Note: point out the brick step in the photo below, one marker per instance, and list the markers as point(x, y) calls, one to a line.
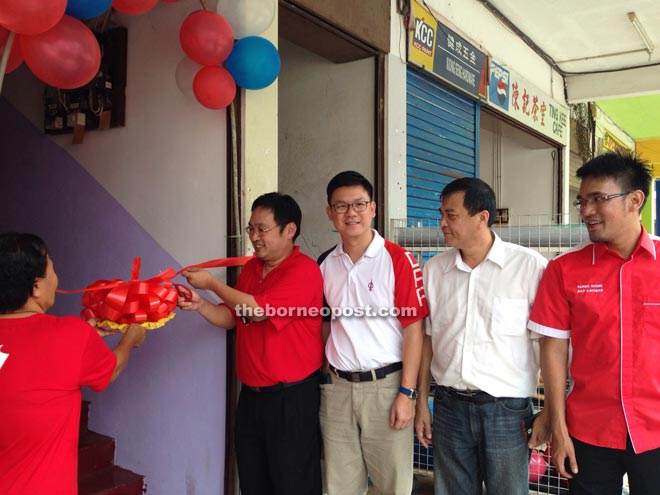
point(95, 451)
point(111, 480)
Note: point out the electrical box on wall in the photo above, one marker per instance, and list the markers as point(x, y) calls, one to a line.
point(101, 104)
point(502, 216)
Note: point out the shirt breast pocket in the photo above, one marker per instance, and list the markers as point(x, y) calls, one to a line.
point(510, 316)
point(651, 315)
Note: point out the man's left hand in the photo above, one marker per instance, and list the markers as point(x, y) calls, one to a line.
point(402, 412)
point(104, 330)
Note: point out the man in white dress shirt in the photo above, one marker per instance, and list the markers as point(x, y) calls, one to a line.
point(478, 348)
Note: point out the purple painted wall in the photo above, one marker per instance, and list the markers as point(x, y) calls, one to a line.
point(167, 410)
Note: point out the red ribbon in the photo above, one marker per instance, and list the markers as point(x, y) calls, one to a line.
point(139, 301)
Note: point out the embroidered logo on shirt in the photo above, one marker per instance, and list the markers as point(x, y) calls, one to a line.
point(371, 285)
point(589, 288)
point(3, 357)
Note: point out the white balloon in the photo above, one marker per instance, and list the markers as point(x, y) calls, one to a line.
point(247, 17)
point(185, 73)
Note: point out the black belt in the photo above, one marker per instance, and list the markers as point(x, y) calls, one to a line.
point(283, 385)
point(367, 376)
point(475, 396)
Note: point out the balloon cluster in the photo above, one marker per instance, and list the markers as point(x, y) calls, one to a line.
point(215, 63)
point(57, 47)
point(64, 53)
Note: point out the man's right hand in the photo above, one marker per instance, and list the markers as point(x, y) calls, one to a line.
point(190, 303)
point(562, 451)
point(423, 423)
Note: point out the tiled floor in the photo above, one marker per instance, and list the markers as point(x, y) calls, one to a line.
point(423, 485)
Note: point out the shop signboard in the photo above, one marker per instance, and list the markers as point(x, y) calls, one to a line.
point(441, 51)
point(510, 93)
point(611, 143)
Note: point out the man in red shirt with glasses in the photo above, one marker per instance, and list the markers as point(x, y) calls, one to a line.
point(603, 299)
point(276, 308)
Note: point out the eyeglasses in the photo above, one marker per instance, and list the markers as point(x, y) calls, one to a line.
point(250, 230)
point(596, 201)
point(358, 206)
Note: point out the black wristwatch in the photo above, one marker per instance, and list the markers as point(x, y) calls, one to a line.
point(411, 393)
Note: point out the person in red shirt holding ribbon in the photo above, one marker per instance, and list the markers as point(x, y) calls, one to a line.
point(276, 308)
point(603, 300)
point(44, 361)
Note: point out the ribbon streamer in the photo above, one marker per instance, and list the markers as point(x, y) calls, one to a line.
point(148, 302)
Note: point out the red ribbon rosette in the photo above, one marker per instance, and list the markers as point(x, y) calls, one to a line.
point(117, 303)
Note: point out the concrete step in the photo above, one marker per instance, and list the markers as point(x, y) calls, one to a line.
point(95, 451)
point(111, 480)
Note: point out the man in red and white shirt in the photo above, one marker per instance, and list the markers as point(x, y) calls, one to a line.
point(374, 340)
point(603, 298)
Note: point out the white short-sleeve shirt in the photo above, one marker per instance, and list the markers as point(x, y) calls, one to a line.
point(478, 320)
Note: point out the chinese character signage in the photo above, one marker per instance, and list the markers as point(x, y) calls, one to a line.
point(510, 93)
point(441, 51)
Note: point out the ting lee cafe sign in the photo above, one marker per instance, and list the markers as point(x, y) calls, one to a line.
point(511, 94)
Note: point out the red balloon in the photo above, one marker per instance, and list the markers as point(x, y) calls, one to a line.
point(68, 56)
point(133, 7)
point(537, 466)
point(15, 56)
point(206, 37)
point(169, 1)
point(31, 16)
point(214, 87)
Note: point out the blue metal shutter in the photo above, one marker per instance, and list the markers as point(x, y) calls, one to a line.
point(442, 144)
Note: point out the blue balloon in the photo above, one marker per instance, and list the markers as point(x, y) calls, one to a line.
point(87, 9)
point(254, 62)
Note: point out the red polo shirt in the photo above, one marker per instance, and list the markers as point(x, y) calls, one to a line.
point(44, 360)
point(610, 309)
point(286, 347)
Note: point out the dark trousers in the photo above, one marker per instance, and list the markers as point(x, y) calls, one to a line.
point(278, 446)
point(601, 470)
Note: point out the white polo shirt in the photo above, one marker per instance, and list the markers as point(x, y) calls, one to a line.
point(478, 320)
point(376, 298)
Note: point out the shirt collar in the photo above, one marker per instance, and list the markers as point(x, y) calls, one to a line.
point(259, 264)
point(643, 243)
point(496, 254)
point(373, 248)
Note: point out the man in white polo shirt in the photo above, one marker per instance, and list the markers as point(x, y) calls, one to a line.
point(374, 342)
point(482, 356)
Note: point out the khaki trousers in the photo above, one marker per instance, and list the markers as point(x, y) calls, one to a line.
point(358, 440)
